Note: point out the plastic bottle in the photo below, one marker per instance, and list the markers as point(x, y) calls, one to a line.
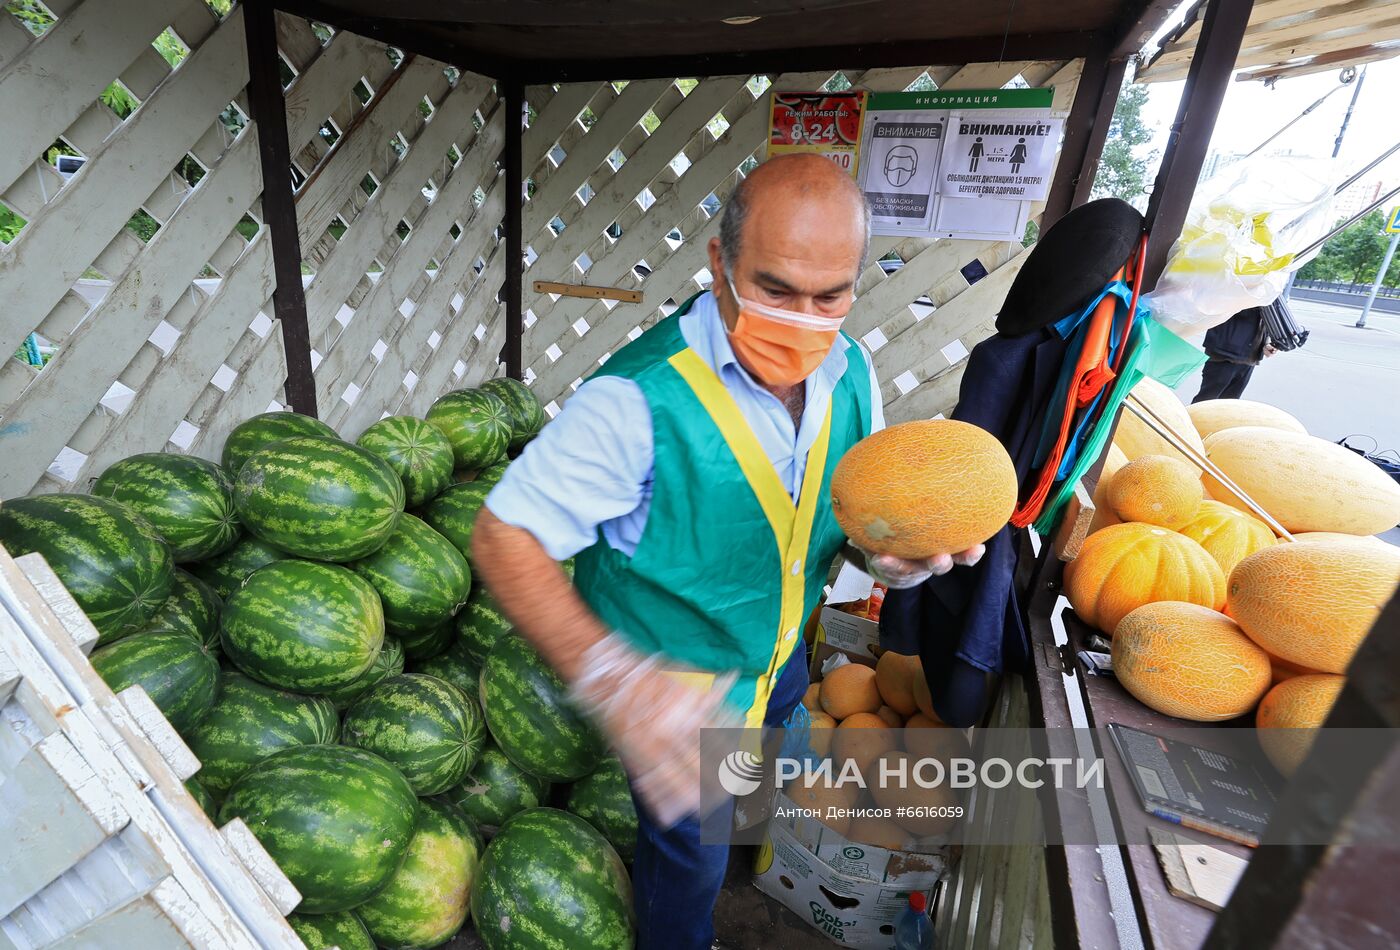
point(913, 930)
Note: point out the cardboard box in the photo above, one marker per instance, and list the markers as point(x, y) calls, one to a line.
point(858, 637)
point(849, 909)
point(857, 859)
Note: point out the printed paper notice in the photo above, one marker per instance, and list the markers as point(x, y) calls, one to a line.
point(900, 169)
point(989, 155)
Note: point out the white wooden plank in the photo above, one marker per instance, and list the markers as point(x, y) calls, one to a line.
point(55, 595)
point(480, 307)
point(48, 86)
point(151, 722)
point(554, 117)
point(254, 857)
point(259, 380)
point(167, 917)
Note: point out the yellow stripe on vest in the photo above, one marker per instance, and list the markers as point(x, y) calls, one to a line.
point(791, 525)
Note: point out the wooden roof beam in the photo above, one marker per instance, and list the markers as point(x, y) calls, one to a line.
point(1296, 26)
point(1281, 55)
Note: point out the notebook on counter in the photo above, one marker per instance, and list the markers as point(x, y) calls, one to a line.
point(1196, 788)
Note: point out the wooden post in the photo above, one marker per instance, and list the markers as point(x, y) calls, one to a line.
point(514, 95)
point(1086, 129)
point(1212, 65)
point(278, 202)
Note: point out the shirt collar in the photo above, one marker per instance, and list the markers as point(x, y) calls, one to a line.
point(712, 343)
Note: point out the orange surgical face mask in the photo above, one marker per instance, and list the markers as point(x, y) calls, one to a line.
point(780, 347)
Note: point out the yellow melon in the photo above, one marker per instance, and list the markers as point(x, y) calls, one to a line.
point(1306, 483)
point(1284, 670)
point(894, 675)
point(1228, 534)
point(1189, 661)
point(878, 832)
point(1103, 512)
point(908, 795)
point(1214, 415)
point(1156, 489)
point(1338, 536)
point(1134, 437)
point(1313, 603)
point(892, 719)
point(862, 738)
point(822, 728)
point(923, 488)
point(1127, 565)
point(1290, 712)
point(812, 698)
point(848, 690)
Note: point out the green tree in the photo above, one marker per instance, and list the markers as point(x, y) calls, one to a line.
point(1354, 255)
point(1123, 168)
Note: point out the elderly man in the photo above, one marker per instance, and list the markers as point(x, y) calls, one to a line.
point(690, 478)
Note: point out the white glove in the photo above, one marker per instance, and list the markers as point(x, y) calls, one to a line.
point(653, 721)
point(899, 573)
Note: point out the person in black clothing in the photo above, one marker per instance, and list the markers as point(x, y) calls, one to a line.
point(1234, 348)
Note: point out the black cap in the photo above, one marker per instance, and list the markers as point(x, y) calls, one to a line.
point(1070, 264)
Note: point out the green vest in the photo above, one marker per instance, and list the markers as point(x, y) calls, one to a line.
point(728, 568)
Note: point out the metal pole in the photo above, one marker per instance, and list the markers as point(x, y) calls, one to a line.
point(1380, 278)
point(1346, 119)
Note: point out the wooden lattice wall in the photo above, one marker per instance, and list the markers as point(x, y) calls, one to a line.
point(150, 272)
point(607, 193)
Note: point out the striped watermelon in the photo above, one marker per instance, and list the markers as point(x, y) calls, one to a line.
point(481, 623)
point(529, 717)
point(417, 450)
point(428, 728)
point(421, 578)
point(497, 788)
point(455, 665)
point(303, 626)
point(549, 881)
point(202, 798)
point(110, 558)
point(226, 572)
point(453, 513)
point(523, 407)
point(261, 431)
point(425, 903)
point(604, 800)
point(426, 644)
point(388, 662)
point(189, 501)
point(318, 498)
point(179, 675)
point(477, 424)
point(336, 820)
point(192, 609)
point(491, 475)
point(342, 931)
point(249, 722)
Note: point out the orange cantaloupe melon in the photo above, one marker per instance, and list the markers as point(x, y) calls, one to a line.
point(1228, 534)
point(1189, 661)
point(848, 690)
point(1156, 489)
point(923, 698)
point(1313, 603)
point(1127, 565)
point(927, 738)
point(922, 488)
point(1284, 670)
point(877, 832)
point(1305, 483)
point(812, 698)
point(908, 796)
point(892, 719)
point(822, 727)
point(820, 792)
point(862, 738)
point(1210, 416)
point(1290, 712)
point(1103, 512)
point(894, 676)
point(1136, 439)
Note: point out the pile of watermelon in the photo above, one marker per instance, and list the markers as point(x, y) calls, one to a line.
point(304, 615)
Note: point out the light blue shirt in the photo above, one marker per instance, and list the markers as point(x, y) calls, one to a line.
point(591, 466)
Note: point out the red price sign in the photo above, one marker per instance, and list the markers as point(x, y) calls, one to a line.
point(821, 123)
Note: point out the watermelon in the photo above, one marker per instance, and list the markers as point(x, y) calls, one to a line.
point(425, 903)
point(455, 665)
point(320, 499)
point(303, 626)
point(426, 644)
point(389, 662)
point(261, 431)
point(428, 728)
point(336, 820)
point(192, 609)
point(109, 557)
point(421, 578)
point(523, 408)
point(497, 788)
point(342, 931)
point(549, 881)
point(530, 718)
point(453, 513)
point(249, 722)
point(604, 800)
point(477, 424)
point(492, 474)
point(179, 675)
point(226, 572)
point(189, 501)
point(481, 623)
point(416, 450)
point(201, 797)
